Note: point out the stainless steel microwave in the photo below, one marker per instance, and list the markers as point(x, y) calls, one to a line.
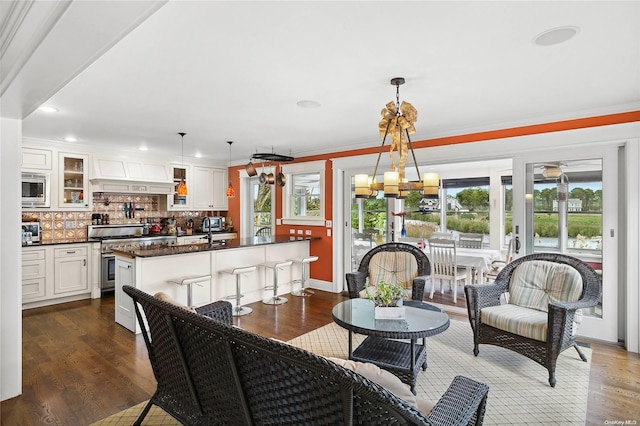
point(36, 189)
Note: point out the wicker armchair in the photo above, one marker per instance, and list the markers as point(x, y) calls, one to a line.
point(556, 334)
point(357, 280)
point(211, 373)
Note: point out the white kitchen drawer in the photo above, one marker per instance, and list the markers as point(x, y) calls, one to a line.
point(70, 252)
point(31, 254)
point(32, 269)
point(33, 289)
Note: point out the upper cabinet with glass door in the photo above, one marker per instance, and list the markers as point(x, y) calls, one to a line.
point(180, 200)
point(303, 200)
point(73, 181)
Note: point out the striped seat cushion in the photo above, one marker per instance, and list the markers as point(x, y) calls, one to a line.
point(536, 283)
point(526, 322)
point(393, 267)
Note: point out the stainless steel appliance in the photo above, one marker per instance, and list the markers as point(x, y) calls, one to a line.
point(123, 237)
point(30, 233)
point(213, 223)
point(36, 189)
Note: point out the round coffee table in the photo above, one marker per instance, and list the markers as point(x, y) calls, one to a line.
point(400, 358)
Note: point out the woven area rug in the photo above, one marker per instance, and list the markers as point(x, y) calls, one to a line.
point(519, 392)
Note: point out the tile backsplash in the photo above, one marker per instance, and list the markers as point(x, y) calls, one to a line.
point(71, 226)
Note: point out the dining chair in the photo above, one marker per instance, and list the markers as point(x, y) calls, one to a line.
point(444, 266)
point(470, 240)
point(498, 264)
point(444, 235)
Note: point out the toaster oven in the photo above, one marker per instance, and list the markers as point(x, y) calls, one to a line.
point(30, 233)
point(213, 224)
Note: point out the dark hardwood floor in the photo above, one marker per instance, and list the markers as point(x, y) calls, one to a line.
point(79, 366)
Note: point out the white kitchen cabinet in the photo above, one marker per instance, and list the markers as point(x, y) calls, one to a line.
point(36, 158)
point(33, 274)
point(96, 270)
point(220, 182)
point(55, 273)
point(71, 271)
point(125, 275)
point(175, 201)
point(209, 189)
point(73, 181)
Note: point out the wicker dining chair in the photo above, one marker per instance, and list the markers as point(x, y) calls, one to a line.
point(264, 231)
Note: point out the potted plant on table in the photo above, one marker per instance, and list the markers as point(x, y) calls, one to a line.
point(387, 301)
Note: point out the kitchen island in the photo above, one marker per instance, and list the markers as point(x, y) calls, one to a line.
point(151, 268)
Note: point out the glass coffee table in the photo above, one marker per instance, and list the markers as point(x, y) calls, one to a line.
point(400, 358)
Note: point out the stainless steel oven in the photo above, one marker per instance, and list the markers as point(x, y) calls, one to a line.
point(121, 237)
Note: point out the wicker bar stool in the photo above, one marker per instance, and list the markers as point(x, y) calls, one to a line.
point(275, 266)
point(189, 281)
point(239, 310)
point(304, 261)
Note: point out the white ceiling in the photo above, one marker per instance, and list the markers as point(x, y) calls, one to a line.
point(223, 71)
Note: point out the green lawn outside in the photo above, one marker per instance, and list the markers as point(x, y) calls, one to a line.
point(545, 224)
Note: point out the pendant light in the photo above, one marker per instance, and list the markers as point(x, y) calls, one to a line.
point(230, 191)
point(182, 186)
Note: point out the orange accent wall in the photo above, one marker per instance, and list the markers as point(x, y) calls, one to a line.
point(234, 202)
point(323, 248)
point(322, 268)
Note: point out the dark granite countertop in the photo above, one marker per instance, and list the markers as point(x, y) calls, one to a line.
point(168, 250)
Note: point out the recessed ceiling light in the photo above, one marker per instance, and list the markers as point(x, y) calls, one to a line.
point(198, 155)
point(47, 109)
point(143, 148)
point(555, 36)
point(70, 139)
point(306, 103)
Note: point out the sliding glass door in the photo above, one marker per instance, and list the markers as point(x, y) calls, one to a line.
point(368, 225)
point(571, 207)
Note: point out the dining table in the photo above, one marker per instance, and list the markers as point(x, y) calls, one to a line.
point(476, 261)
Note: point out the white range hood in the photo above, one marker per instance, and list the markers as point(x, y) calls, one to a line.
point(136, 177)
point(131, 187)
